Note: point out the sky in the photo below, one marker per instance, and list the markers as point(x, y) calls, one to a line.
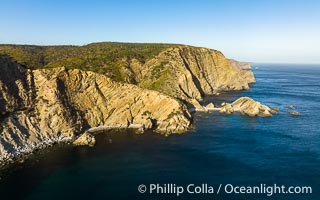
point(277, 31)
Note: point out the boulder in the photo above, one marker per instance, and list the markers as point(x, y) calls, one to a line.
point(85, 139)
point(227, 109)
point(210, 105)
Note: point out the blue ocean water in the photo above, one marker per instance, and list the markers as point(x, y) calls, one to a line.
point(219, 149)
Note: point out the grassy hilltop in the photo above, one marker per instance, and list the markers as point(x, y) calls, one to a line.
point(105, 57)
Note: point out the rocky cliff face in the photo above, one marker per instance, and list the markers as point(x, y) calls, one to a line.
point(43, 106)
point(40, 107)
point(188, 73)
point(239, 65)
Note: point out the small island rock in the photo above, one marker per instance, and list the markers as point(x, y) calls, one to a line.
point(247, 106)
point(294, 113)
point(291, 107)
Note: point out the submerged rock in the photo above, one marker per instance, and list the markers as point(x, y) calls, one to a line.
point(247, 106)
point(85, 139)
point(291, 107)
point(294, 113)
point(275, 110)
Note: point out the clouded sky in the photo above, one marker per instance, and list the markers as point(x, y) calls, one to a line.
point(259, 31)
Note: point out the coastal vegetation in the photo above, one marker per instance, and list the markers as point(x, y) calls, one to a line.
point(105, 57)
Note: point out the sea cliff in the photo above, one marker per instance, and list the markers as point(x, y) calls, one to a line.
point(49, 94)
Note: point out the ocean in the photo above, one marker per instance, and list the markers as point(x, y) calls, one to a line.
point(226, 151)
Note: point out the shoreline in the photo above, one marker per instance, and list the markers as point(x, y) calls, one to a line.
point(243, 105)
point(61, 100)
point(24, 153)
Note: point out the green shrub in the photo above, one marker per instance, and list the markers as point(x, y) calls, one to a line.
point(104, 58)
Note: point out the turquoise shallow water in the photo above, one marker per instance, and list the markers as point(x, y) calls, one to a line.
point(220, 149)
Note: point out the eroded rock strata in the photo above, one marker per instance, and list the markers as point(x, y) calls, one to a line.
point(189, 73)
point(247, 106)
point(40, 107)
point(240, 65)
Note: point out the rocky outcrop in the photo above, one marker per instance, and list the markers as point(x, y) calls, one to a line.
point(86, 139)
point(209, 106)
point(41, 107)
point(188, 73)
point(291, 107)
point(275, 110)
point(295, 113)
point(239, 65)
point(247, 106)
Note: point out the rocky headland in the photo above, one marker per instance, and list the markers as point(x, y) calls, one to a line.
point(240, 65)
point(58, 94)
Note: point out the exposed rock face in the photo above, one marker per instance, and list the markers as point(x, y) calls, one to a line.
point(239, 65)
point(41, 107)
point(227, 109)
point(247, 106)
point(86, 139)
point(189, 73)
point(208, 107)
point(44, 106)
